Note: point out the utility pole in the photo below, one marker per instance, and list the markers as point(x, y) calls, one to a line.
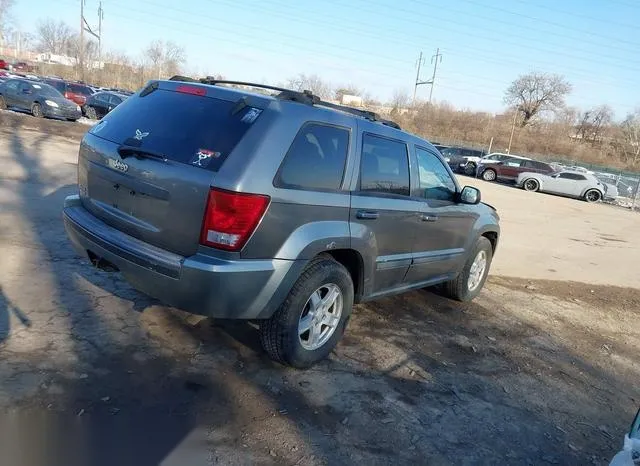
point(417, 83)
point(434, 60)
point(100, 18)
point(81, 49)
point(513, 127)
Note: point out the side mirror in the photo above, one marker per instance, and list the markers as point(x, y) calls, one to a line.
point(470, 195)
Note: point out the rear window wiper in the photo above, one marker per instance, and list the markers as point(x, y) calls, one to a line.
point(126, 151)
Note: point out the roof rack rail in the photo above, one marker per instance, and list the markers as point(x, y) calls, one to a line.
point(367, 114)
point(305, 97)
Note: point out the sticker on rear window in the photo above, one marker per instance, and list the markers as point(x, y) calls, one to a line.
point(251, 115)
point(203, 157)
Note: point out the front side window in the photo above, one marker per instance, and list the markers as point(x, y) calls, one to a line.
point(384, 166)
point(435, 181)
point(316, 159)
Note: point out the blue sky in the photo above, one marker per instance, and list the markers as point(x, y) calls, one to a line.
point(374, 44)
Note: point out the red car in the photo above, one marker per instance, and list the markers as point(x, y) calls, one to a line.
point(75, 92)
point(3, 64)
point(509, 169)
point(22, 67)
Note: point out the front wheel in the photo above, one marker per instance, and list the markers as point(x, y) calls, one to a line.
point(313, 317)
point(91, 113)
point(469, 282)
point(36, 110)
point(489, 174)
point(470, 169)
point(593, 195)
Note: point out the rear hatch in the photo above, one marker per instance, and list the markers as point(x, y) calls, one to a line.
point(147, 167)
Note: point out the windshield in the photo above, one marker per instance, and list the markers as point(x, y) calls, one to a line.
point(45, 90)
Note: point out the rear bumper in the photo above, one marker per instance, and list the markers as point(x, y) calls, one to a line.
point(201, 284)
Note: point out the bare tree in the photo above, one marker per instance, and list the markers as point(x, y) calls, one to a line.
point(537, 92)
point(5, 8)
point(593, 123)
point(312, 83)
point(631, 134)
point(55, 37)
point(400, 99)
point(165, 57)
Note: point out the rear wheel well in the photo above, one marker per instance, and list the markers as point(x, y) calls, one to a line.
point(352, 261)
point(492, 236)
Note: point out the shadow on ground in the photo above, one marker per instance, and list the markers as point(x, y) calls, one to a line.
point(418, 378)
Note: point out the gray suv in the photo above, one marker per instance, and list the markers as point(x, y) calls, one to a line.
point(281, 208)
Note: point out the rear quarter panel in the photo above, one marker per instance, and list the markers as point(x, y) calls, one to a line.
point(299, 224)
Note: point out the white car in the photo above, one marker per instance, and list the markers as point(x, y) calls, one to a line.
point(564, 183)
point(630, 452)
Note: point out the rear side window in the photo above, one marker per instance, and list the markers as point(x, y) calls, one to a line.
point(186, 128)
point(316, 159)
point(384, 167)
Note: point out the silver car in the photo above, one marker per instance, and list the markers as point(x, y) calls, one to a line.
point(564, 183)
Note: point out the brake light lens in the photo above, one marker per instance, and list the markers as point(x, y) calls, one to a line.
point(230, 218)
point(195, 90)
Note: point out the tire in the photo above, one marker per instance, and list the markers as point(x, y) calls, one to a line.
point(531, 184)
point(592, 195)
point(91, 113)
point(489, 174)
point(3, 103)
point(36, 110)
point(282, 335)
point(470, 169)
point(460, 287)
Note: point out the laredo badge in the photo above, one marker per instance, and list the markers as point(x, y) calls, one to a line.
point(203, 157)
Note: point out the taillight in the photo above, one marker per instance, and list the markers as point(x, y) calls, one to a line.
point(230, 218)
point(195, 90)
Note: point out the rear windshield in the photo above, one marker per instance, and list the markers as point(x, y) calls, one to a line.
point(79, 89)
point(186, 128)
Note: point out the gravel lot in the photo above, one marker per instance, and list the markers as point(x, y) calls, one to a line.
point(541, 369)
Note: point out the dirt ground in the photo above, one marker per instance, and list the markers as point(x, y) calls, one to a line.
point(541, 369)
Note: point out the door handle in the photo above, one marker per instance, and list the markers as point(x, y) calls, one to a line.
point(367, 214)
point(428, 217)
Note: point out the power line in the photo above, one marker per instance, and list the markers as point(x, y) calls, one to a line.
point(547, 8)
point(564, 26)
point(202, 26)
point(434, 20)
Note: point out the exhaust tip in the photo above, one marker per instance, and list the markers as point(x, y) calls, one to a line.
point(101, 263)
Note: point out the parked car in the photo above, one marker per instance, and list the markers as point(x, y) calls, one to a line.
point(76, 92)
point(40, 99)
point(610, 191)
point(630, 453)
point(461, 159)
point(280, 209)
point(509, 169)
point(565, 183)
point(98, 105)
point(22, 67)
point(4, 65)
